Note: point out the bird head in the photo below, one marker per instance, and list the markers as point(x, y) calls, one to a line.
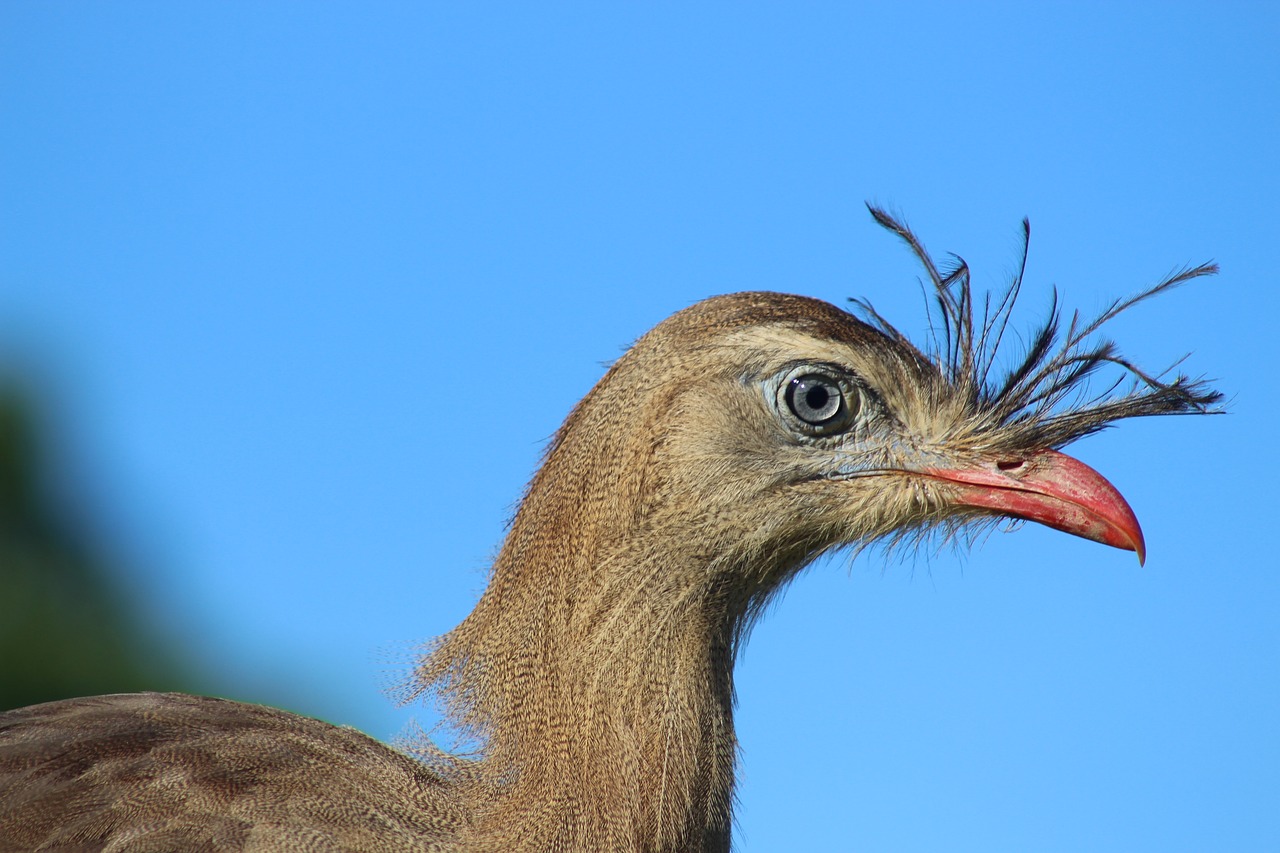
point(758, 430)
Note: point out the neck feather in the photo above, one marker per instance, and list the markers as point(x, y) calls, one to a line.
point(596, 671)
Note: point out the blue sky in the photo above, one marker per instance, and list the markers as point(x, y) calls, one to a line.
point(305, 288)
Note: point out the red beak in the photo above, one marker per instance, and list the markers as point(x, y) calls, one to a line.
point(1053, 489)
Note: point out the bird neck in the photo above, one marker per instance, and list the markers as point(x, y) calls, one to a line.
point(598, 675)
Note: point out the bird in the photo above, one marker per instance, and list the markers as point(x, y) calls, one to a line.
point(592, 685)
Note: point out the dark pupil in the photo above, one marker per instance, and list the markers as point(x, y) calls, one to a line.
point(816, 398)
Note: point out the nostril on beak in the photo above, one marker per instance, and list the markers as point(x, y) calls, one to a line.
point(1010, 464)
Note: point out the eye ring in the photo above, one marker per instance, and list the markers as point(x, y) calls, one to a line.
point(819, 403)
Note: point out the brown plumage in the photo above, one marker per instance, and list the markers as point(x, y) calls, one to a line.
point(733, 444)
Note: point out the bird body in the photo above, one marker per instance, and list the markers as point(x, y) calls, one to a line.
point(729, 447)
point(167, 772)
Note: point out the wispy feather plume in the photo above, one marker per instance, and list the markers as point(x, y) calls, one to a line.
point(1046, 398)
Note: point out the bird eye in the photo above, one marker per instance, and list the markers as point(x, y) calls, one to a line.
point(822, 403)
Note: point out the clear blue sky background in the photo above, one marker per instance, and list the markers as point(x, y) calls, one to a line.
point(309, 285)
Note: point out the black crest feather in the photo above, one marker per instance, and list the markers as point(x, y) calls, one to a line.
point(1048, 398)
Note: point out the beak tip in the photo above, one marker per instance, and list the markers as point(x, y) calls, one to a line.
point(1127, 535)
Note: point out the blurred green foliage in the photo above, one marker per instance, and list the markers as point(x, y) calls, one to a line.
point(66, 628)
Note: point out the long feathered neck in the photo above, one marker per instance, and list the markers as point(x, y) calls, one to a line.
point(596, 669)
